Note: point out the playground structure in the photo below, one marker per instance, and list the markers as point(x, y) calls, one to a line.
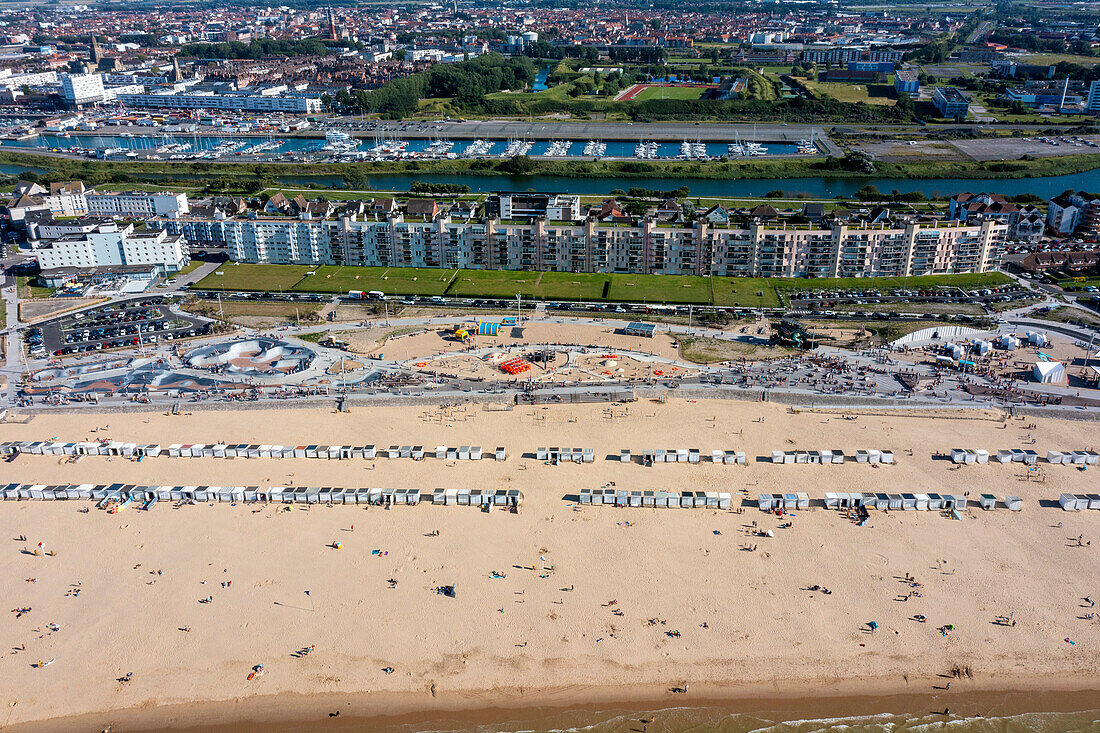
point(466, 332)
point(789, 332)
point(515, 365)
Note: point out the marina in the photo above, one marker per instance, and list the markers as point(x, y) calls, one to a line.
point(338, 146)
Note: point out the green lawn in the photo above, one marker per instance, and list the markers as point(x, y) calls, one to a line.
point(1054, 58)
point(660, 289)
point(269, 278)
point(390, 280)
point(26, 291)
point(681, 289)
point(976, 280)
point(670, 93)
point(843, 92)
point(545, 285)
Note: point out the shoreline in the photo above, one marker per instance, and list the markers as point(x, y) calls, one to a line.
point(383, 712)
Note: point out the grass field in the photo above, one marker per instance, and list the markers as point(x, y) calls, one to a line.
point(545, 285)
point(658, 92)
point(976, 280)
point(269, 278)
point(868, 93)
point(672, 289)
point(26, 291)
point(390, 280)
point(1054, 58)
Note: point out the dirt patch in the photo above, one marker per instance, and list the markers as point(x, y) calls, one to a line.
point(39, 309)
point(706, 350)
point(253, 314)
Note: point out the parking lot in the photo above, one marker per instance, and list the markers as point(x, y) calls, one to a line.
point(121, 325)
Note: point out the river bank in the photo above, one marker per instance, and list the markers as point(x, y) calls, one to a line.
point(779, 167)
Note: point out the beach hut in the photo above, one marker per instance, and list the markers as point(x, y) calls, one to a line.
point(288, 451)
point(500, 497)
point(1094, 501)
point(790, 501)
point(802, 500)
point(838, 455)
point(609, 497)
point(717, 456)
point(1030, 457)
point(832, 500)
point(777, 456)
point(658, 455)
point(687, 499)
point(801, 456)
point(500, 453)
point(922, 502)
point(725, 500)
point(894, 501)
point(909, 502)
point(542, 454)
point(464, 453)
point(438, 496)
point(174, 450)
point(958, 455)
point(1070, 503)
point(463, 497)
point(981, 456)
point(882, 501)
point(1091, 457)
point(693, 455)
point(649, 499)
point(515, 497)
point(1054, 456)
point(597, 496)
point(475, 452)
point(1004, 456)
point(862, 456)
point(886, 456)
point(405, 451)
point(874, 455)
point(394, 451)
point(1078, 458)
point(954, 501)
point(370, 452)
point(441, 452)
point(987, 502)
point(635, 498)
point(661, 499)
point(588, 455)
point(585, 496)
point(624, 455)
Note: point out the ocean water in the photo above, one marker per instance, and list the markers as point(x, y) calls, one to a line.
point(710, 720)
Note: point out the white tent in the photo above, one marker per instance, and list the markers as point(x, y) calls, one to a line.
point(1049, 372)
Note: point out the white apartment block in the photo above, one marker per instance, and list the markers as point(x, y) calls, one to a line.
point(136, 205)
point(758, 249)
point(81, 89)
point(236, 102)
point(110, 244)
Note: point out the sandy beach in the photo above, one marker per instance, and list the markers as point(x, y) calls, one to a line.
point(593, 603)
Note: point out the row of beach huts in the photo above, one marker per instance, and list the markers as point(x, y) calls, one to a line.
point(683, 455)
point(1029, 457)
point(826, 457)
point(147, 496)
point(654, 498)
point(242, 450)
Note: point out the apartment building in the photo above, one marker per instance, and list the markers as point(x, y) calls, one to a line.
point(112, 245)
point(227, 101)
point(1075, 213)
point(699, 247)
point(136, 204)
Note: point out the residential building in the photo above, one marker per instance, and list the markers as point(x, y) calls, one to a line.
point(951, 103)
point(80, 90)
point(136, 204)
point(112, 244)
point(223, 101)
point(534, 206)
point(703, 245)
point(1075, 213)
